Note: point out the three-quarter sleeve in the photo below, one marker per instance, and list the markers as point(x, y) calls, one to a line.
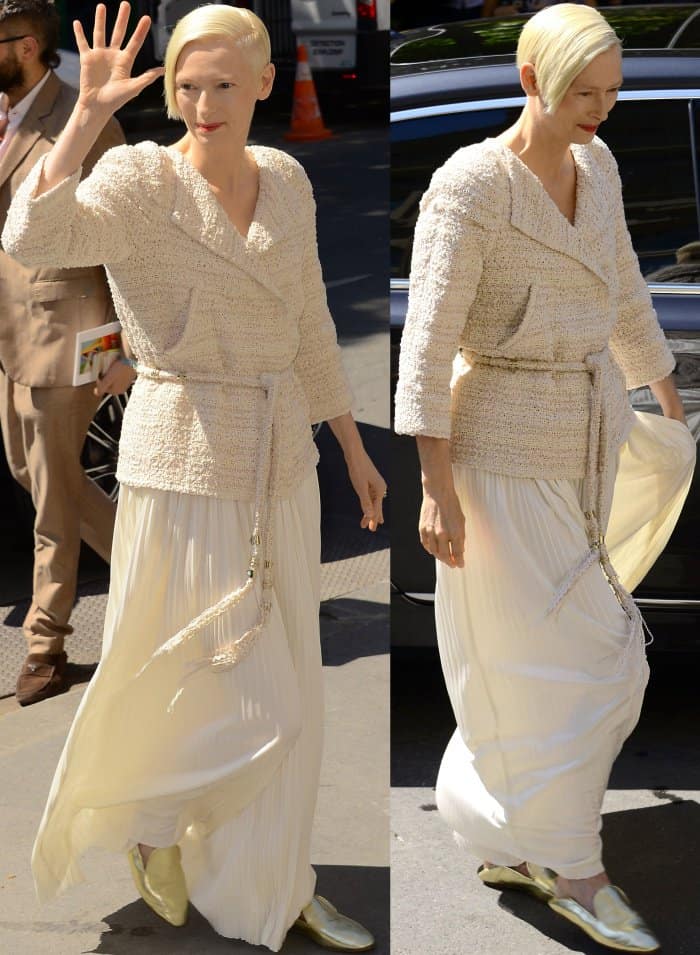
point(318, 363)
point(637, 342)
point(446, 266)
point(74, 223)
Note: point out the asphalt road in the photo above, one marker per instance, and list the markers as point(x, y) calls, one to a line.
point(651, 828)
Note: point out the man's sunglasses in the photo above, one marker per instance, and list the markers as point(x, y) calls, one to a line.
point(11, 39)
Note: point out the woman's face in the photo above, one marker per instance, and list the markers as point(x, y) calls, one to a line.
point(216, 89)
point(590, 98)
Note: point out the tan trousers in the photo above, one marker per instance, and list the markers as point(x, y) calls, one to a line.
point(44, 430)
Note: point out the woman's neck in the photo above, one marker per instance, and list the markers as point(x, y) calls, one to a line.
point(543, 152)
point(225, 168)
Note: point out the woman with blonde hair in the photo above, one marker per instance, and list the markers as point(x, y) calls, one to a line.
point(197, 746)
point(528, 319)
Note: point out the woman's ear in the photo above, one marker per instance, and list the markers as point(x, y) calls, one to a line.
point(528, 80)
point(266, 81)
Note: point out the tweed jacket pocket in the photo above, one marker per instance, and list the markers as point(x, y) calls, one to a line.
point(193, 343)
point(530, 337)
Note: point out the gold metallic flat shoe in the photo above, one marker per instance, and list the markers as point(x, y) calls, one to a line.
point(541, 883)
point(323, 923)
point(161, 883)
point(615, 924)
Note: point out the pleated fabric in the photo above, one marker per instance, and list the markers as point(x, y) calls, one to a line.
point(543, 703)
point(165, 750)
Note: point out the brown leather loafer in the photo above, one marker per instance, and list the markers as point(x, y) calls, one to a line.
point(42, 675)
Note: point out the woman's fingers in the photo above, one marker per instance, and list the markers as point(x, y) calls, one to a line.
point(98, 30)
point(442, 533)
point(442, 547)
point(370, 488)
point(145, 79)
point(137, 37)
point(379, 508)
point(80, 38)
point(377, 490)
point(120, 25)
point(118, 33)
point(456, 550)
point(371, 513)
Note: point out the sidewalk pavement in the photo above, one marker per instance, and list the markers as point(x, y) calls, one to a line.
point(350, 845)
point(651, 829)
point(440, 907)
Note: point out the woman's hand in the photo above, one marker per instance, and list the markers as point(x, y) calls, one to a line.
point(441, 522)
point(368, 483)
point(106, 82)
point(370, 488)
point(105, 85)
point(666, 394)
point(442, 527)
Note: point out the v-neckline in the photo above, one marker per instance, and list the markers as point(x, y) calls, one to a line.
point(578, 187)
point(203, 184)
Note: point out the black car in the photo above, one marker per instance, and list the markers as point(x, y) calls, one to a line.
point(456, 84)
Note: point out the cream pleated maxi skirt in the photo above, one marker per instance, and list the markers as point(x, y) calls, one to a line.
point(163, 750)
point(543, 703)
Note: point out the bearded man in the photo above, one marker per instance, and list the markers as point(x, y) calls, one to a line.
point(44, 417)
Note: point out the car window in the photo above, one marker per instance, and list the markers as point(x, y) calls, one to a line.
point(689, 36)
point(647, 28)
point(651, 140)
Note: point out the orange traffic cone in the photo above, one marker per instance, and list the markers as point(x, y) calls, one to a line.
point(307, 122)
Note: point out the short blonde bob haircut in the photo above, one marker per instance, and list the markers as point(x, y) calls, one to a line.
point(560, 41)
point(215, 19)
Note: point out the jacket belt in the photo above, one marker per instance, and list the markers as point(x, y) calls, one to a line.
point(261, 538)
point(595, 478)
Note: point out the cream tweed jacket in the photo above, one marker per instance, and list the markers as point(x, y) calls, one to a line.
point(503, 291)
point(197, 299)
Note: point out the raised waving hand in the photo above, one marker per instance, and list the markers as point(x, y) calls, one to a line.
point(106, 83)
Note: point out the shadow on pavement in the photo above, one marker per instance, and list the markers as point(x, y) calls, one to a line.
point(352, 629)
point(662, 753)
point(79, 673)
point(646, 850)
point(421, 717)
point(359, 891)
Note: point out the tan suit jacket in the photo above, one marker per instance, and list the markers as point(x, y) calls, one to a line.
point(42, 309)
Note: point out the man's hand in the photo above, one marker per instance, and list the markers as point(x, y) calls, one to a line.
point(118, 378)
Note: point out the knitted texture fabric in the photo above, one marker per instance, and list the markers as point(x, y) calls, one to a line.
point(498, 271)
point(195, 297)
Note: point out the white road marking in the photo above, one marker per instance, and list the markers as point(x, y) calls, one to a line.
point(354, 278)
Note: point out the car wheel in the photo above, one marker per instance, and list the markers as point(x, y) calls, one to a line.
point(101, 448)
